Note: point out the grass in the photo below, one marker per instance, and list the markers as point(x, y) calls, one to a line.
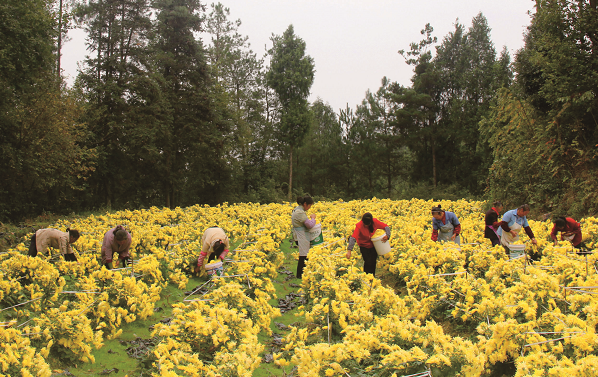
point(283, 288)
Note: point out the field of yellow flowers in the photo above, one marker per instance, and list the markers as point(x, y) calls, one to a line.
point(439, 310)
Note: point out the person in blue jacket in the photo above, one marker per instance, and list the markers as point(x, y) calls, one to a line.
point(445, 226)
point(512, 223)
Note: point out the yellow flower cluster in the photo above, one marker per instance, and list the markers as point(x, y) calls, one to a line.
point(18, 357)
point(218, 336)
point(165, 246)
point(505, 310)
point(206, 339)
point(449, 309)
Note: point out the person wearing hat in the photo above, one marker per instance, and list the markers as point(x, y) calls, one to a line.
point(46, 238)
point(445, 226)
point(116, 240)
point(215, 244)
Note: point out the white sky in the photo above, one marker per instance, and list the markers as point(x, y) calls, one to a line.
point(354, 43)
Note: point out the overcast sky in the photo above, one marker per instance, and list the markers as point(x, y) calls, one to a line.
point(354, 43)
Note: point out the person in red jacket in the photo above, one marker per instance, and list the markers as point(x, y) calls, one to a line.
point(492, 223)
point(362, 235)
point(570, 231)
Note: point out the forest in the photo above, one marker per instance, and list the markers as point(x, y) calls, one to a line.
point(173, 108)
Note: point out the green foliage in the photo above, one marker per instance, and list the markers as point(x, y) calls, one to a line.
point(26, 43)
point(544, 132)
point(48, 162)
point(193, 126)
point(451, 92)
point(470, 76)
point(291, 75)
point(322, 160)
point(41, 159)
point(159, 118)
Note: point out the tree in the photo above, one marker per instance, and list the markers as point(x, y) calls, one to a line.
point(323, 162)
point(549, 118)
point(110, 82)
point(469, 77)
point(291, 75)
point(48, 162)
point(237, 70)
point(418, 107)
point(193, 122)
point(41, 159)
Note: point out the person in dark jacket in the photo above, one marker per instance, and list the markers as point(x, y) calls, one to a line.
point(492, 223)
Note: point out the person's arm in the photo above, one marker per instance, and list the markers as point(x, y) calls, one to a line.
point(506, 219)
point(309, 223)
point(126, 252)
point(505, 226)
point(201, 258)
point(65, 246)
point(352, 241)
point(434, 230)
point(575, 227)
point(529, 233)
point(456, 225)
point(224, 254)
point(457, 229)
point(380, 225)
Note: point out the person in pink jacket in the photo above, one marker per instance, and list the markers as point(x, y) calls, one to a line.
point(215, 244)
point(116, 240)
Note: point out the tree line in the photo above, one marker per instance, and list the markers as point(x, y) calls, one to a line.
point(172, 107)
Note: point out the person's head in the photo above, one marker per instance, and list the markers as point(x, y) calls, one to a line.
point(523, 210)
point(368, 220)
point(305, 201)
point(437, 212)
point(120, 236)
point(73, 235)
point(218, 247)
point(560, 222)
point(497, 205)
